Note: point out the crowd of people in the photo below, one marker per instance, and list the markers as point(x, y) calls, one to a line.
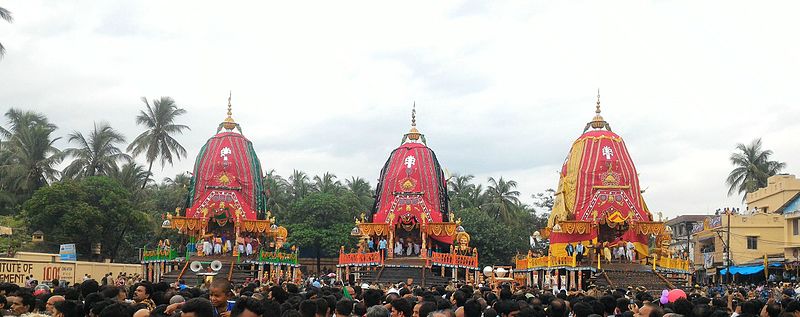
point(326, 297)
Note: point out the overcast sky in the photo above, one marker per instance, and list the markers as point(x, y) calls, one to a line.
point(502, 88)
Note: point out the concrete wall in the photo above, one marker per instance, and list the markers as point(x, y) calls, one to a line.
point(780, 188)
point(46, 267)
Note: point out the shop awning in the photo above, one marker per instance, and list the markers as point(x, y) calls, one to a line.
point(745, 270)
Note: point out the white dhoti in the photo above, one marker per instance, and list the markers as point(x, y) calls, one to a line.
point(207, 249)
point(249, 249)
point(631, 255)
point(228, 246)
point(217, 248)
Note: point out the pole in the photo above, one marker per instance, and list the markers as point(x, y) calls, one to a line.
point(728, 274)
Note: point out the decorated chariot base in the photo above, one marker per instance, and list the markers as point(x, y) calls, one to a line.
point(599, 222)
point(410, 225)
point(224, 227)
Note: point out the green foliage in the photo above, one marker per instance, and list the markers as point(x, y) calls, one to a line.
point(752, 168)
point(157, 141)
point(321, 222)
point(96, 154)
point(28, 158)
point(497, 242)
point(545, 200)
point(20, 238)
point(91, 210)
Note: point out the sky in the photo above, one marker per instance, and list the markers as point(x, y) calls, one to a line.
point(502, 88)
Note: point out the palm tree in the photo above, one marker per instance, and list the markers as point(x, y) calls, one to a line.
point(502, 199)
point(299, 184)
point(97, 154)
point(29, 156)
point(327, 183)
point(5, 15)
point(157, 141)
point(361, 189)
point(461, 189)
point(180, 180)
point(130, 175)
point(752, 167)
point(277, 192)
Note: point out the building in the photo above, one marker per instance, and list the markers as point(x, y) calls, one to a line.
point(682, 228)
point(751, 237)
point(782, 196)
point(780, 189)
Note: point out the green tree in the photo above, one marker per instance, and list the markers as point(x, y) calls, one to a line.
point(29, 158)
point(96, 155)
point(544, 201)
point(130, 175)
point(502, 199)
point(752, 167)
point(321, 223)
point(497, 242)
point(461, 190)
point(300, 185)
point(5, 15)
point(91, 210)
point(278, 194)
point(362, 190)
point(157, 142)
point(327, 183)
point(180, 180)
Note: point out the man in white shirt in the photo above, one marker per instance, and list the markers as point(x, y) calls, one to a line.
point(631, 255)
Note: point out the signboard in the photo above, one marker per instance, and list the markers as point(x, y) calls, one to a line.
point(714, 222)
point(17, 272)
point(67, 252)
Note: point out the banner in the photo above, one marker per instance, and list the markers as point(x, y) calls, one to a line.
point(67, 252)
point(708, 260)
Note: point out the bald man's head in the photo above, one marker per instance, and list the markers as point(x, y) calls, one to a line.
point(51, 301)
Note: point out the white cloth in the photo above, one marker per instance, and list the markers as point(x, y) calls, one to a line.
point(228, 245)
point(409, 249)
point(249, 249)
point(217, 248)
point(416, 248)
point(631, 248)
point(207, 248)
point(398, 248)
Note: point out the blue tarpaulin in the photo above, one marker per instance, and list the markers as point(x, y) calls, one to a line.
point(745, 270)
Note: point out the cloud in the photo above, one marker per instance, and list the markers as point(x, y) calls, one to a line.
point(502, 88)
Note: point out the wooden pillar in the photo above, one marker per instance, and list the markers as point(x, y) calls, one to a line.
point(580, 280)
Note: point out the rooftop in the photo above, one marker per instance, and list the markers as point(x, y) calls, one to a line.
point(686, 218)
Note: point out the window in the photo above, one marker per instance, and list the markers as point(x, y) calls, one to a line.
point(795, 227)
point(752, 243)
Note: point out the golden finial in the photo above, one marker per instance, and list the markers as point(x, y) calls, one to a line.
point(414, 114)
point(229, 124)
point(413, 134)
point(597, 122)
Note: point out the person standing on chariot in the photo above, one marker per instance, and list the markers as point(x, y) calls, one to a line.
point(240, 244)
point(630, 248)
point(217, 245)
point(248, 246)
point(208, 247)
point(398, 248)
